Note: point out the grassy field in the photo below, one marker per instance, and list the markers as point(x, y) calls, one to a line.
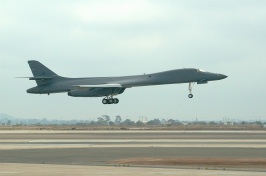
point(145, 127)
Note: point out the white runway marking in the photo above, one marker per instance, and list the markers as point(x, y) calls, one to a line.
point(85, 143)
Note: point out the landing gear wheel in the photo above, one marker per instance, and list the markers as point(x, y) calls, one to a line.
point(111, 101)
point(116, 101)
point(190, 85)
point(105, 101)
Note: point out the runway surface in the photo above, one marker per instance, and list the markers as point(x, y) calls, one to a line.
point(103, 148)
point(70, 170)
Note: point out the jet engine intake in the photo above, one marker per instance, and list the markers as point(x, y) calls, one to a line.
point(202, 82)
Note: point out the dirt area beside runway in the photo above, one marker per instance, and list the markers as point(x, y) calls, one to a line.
point(259, 163)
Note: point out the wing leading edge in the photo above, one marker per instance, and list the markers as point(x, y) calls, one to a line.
point(99, 86)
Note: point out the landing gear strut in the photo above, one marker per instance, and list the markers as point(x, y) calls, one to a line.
point(190, 85)
point(110, 100)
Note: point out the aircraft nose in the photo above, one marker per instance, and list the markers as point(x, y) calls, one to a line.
point(222, 76)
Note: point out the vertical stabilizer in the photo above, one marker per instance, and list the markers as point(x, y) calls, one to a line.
point(41, 71)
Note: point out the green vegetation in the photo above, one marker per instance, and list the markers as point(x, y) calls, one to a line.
point(106, 122)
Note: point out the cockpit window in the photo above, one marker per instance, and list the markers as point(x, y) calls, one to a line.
point(200, 70)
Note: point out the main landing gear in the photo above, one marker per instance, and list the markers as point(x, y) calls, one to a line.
point(110, 100)
point(190, 85)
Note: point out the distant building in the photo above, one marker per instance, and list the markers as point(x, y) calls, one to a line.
point(143, 119)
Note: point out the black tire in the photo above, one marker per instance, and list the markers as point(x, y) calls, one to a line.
point(105, 101)
point(111, 101)
point(116, 101)
point(190, 95)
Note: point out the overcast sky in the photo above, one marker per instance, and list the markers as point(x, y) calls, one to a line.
point(113, 38)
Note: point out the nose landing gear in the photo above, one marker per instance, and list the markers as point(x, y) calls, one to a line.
point(110, 100)
point(190, 85)
point(190, 95)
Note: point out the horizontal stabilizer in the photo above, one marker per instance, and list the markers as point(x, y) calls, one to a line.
point(37, 78)
point(98, 86)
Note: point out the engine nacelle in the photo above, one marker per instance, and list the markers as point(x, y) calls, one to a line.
point(97, 92)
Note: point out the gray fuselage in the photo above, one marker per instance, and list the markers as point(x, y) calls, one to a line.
point(62, 84)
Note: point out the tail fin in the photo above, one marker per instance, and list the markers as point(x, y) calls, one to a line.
point(42, 74)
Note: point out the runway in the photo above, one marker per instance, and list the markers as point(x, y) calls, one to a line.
point(105, 148)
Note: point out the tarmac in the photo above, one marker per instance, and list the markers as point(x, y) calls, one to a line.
point(96, 152)
point(70, 170)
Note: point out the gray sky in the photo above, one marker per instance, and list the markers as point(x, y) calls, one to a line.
point(113, 38)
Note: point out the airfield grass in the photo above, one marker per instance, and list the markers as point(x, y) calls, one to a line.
point(145, 127)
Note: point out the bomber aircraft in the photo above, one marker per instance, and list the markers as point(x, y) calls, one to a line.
point(108, 87)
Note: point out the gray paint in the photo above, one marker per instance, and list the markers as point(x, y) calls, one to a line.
point(49, 82)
